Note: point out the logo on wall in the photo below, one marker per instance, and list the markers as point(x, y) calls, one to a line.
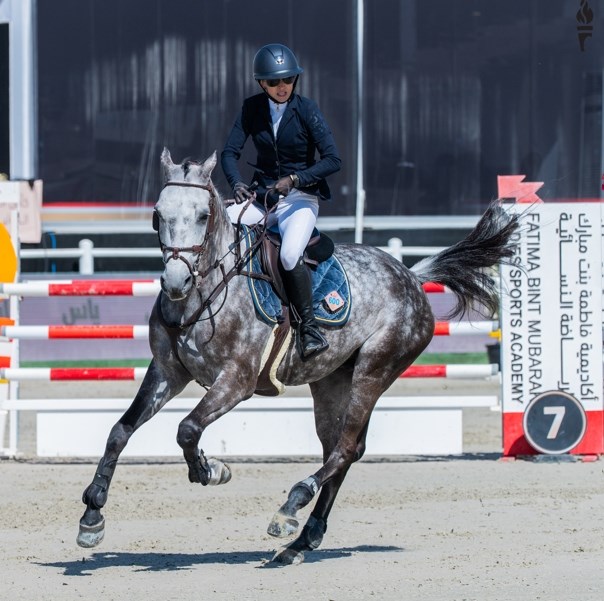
point(584, 28)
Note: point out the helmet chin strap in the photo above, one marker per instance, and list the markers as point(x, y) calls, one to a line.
point(281, 101)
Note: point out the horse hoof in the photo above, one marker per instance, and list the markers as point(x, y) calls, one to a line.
point(282, 525)
point(91, 536)
point(288, 557)
point(220, 473)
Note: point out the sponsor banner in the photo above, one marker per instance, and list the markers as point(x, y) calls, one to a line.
point(551, 317)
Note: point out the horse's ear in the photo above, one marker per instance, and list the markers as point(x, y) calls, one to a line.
point(167, 166)
point(208, 166)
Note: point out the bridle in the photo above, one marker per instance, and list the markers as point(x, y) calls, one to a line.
point(198, 249)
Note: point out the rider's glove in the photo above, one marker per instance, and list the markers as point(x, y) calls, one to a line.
point(284, 185)
point(242, 193)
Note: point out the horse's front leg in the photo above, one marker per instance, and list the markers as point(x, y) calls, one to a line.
point(233, 385)
point(152, 395)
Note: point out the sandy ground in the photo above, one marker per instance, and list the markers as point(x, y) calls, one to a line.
point(472, 527)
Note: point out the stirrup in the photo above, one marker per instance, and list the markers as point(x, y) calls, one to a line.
point(314, 347)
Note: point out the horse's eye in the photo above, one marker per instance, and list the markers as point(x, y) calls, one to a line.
point(203, 218)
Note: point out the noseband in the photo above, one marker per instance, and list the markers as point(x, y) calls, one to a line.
point(197, 249)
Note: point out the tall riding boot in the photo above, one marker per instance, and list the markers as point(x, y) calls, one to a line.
point(298, 287)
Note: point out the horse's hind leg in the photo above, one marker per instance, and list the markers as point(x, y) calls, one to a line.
point(378, 364)
point(153, 394)
point(312, 534)
point(331, 395)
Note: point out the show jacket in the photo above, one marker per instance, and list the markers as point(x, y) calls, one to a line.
point(302, 131)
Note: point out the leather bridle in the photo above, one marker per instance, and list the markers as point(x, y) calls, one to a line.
point(197, 249)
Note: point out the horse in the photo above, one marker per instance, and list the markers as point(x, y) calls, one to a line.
point(204, 328)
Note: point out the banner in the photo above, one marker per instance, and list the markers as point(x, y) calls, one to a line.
point(552, 332)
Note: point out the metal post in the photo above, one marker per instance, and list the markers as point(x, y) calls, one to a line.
point(360, 191)
point(23, 97)
point(395, 248)
point(15, 314)
point(86, 258)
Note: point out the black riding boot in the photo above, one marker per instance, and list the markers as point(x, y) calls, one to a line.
point(298, 287)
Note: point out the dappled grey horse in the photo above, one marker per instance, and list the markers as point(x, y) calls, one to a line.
point(204, 328)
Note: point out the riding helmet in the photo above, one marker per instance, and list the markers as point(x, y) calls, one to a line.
point(275, 61)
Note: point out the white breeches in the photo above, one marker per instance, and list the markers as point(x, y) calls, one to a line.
point(296, 216)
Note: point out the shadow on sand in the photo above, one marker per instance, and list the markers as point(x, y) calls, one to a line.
point(169, 562)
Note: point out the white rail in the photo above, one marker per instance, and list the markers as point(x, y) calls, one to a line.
point(137, 220)
point(87, 253)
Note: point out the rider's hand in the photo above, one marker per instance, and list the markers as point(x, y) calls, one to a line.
point(284, 185)
point(242, 193)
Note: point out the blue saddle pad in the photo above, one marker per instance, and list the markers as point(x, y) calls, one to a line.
point(329, 283)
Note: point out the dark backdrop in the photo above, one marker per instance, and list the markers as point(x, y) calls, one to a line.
point(456, 92)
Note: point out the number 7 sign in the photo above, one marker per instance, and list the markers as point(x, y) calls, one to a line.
point(554, 422)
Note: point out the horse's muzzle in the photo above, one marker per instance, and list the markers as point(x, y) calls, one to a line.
point(176, 288)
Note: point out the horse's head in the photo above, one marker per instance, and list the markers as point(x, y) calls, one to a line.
point(185, 219)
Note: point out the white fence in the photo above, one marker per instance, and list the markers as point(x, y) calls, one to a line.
point(86, 252)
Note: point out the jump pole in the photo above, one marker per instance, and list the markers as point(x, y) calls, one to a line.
point(10, 198)
point(113, 288)
point(141, 332)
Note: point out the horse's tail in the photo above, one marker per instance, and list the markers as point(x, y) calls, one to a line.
point(461, 266)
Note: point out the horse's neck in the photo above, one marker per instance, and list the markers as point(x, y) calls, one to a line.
point(220, 265)
point(221, 245)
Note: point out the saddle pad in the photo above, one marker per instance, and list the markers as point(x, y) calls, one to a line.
point(328, 277)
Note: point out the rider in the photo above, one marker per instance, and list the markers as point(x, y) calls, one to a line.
point(286, 129)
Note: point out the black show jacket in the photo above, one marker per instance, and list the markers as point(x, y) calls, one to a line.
point(302, 132)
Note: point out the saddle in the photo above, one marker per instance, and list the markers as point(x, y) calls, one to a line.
point(320, 248)
point(270, 300)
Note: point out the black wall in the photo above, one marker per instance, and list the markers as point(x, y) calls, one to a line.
point(456, 91)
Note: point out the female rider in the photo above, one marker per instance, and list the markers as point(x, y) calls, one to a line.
point(287, 130)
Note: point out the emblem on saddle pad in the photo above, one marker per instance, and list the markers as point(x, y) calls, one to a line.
point(333, 301)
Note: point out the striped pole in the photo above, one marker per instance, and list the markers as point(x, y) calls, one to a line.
point(465, 328)
point(51, 374)
point(83, 288)
point(434, 288)
point(442, 328)
point(113, 288)
point(454, 372)
point(75, 332)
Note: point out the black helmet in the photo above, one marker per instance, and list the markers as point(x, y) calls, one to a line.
point(275, 61)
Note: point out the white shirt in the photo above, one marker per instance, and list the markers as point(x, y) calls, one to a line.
point(277, 111)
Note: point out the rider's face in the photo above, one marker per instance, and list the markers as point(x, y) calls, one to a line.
point(279, 93)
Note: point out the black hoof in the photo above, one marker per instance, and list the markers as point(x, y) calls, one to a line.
point(288, 556)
